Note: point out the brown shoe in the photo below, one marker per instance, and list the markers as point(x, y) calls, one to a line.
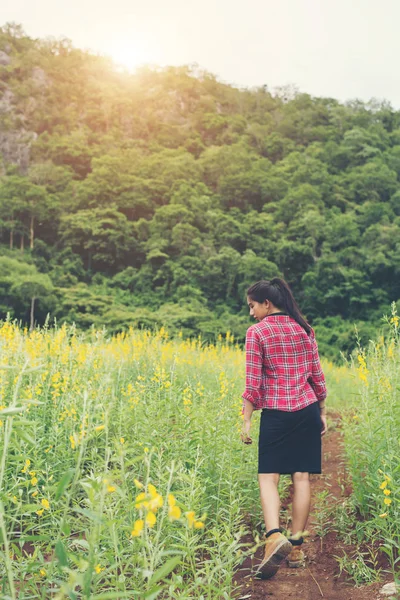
point(277, 548)
point(296, 558)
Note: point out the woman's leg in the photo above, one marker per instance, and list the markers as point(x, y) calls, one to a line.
point(269, 499)
point(301, 501)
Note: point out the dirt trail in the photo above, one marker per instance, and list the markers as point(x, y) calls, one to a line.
point(320, 578)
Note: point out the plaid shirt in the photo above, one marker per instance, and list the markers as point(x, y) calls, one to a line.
point(283, 370)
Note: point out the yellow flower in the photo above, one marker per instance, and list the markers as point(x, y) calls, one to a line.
point(141, 501)
point(45, 503)
point(198, 524)
point(111, 488)
point(99, 427)
point(27, 464)
point(40, 512)
point(361, 360)
point(72, 440)
point(42, 572)
point(138, 484)
point(174, 513)
point(151, 519)
point(190, 518)
point(35, 493)
point(34, 481)
point(387, 501)
point(98, 569)
point(146, 450)
point(383, 515)
point(137, 528)
point(387, 492)
point(122, 440)
point(156, 502)
point(152, 490)
point(383, 485)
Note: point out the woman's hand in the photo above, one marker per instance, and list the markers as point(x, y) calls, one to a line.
point(246, 439)
point(324, 424)
point(247, 414)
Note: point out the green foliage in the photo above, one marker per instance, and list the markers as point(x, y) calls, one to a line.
point(170, 188)
point(371, 434)
point(21, 285)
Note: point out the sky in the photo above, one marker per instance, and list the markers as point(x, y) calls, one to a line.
point(344, 49)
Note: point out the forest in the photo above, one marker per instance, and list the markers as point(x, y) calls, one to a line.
point(156, 198)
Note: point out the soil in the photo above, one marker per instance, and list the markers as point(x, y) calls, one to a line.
point(321, 577)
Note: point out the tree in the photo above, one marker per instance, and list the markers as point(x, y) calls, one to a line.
point(13, 192)
point(28, 202)
point(20, 281)
point(189, 187)
point(34, 286)
point(103, 236)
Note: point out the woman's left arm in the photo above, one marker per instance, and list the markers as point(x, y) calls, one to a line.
point(254, 361)
point(253, 380)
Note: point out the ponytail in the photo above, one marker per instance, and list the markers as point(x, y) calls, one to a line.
point(278, 292)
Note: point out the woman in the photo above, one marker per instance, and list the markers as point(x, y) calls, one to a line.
point(284, 379)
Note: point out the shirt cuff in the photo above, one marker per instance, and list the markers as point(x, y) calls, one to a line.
point(249, 397)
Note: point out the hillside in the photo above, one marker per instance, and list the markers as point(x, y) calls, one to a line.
point(159, 197)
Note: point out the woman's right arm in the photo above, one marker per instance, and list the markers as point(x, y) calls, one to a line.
point(317, 382)
point(317, 378)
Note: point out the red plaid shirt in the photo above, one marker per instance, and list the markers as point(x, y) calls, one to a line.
point(283, 370)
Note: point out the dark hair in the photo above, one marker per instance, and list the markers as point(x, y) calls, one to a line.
point(279, 293)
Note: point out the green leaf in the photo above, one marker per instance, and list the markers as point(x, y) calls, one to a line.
point(66, 529)
point(23, 434)
point(65, 479)
point(12, 410)
point(152, 594)
point(31, 402)
point(82, 543)
point(110, 595)
point(95, 517)
point(61, 554)
point(34, 538)
point(29, 508)
point(165, 569)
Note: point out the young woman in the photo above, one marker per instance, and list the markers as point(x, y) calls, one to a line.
point(284, 379)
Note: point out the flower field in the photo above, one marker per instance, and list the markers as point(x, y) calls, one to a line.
point(122, 472)
point(372, 446)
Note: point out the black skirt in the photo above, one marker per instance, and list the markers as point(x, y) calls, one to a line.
point(290, 442)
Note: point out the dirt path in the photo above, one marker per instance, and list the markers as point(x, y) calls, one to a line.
point(320, 578)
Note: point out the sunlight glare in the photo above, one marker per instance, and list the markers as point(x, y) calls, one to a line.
point(131, 54)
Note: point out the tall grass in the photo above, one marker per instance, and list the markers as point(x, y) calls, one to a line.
point(122, 474)
point(372, 445)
